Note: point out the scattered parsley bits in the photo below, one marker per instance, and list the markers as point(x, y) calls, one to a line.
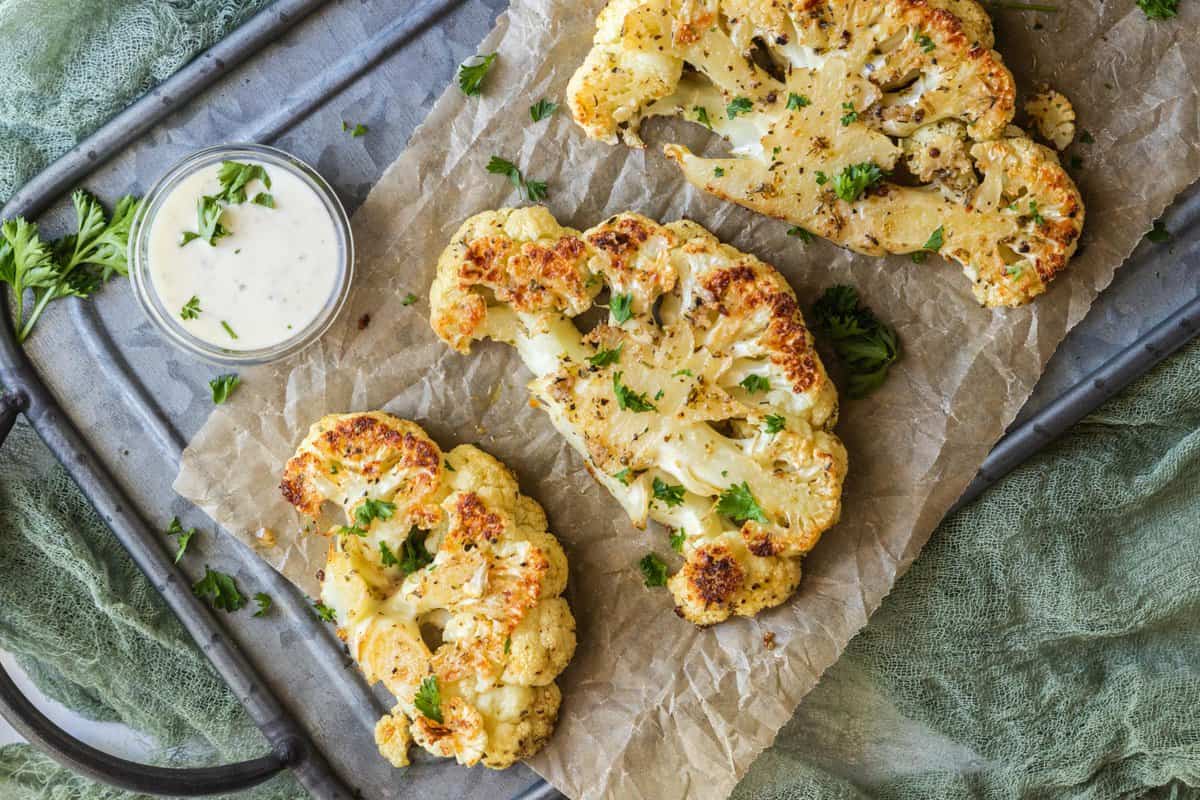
point(718, 172)
point(324, 612)
point(702, 116)
point(738, 503)
point(605, 357)
point(795, 101)
point(413, 555)
point(371, 510)
point(686, 372)
point(184, 537)
point(228, 329)
point(923, 39)
point(220, 590)
point(854, 180)
point(359, 130)
point(822, 178)
point(774, 424)
point(850, 116)
point(408, 299)
point(507, 645)
point(620, 307)
point(672, 495)
point(622, 476)
point(866, 346)
point(470, 76)
point(1013, 272)
point(739, 105)
point(264, 199)
point(654, 570)
point(755, 383)
point(352, 530)
point(678, 537)
point(628, 399)
point(446, 463)
point(386, 556)
point(533, 190)
point(541, 109)
point(1159, 9)
point(191, 309)
point(804, 235)
point(222, 387)
point(428, 699)
point(234, 177)
point(1038, 219)
point(932, 245)
point(264, 603)
point(208, 221)
point(1159, 233)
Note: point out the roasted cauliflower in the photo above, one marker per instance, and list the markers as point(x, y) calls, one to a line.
point(701, 403)
point(882, 126)
point(445, 584)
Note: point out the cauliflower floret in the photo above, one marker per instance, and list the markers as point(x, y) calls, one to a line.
point(811, 97)
point(1053, 117)
point(703, 386)
point(444, 582)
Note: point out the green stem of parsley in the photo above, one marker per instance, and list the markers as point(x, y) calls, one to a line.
point(38, 308)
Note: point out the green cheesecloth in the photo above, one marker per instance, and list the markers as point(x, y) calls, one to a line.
point(1046, 644)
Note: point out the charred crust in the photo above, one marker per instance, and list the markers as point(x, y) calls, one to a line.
point(529, 276)
point(715, 575)
point(475, 522)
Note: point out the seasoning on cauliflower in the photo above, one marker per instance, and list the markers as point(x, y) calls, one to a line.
point(445, 584)
point(1053, 116)
point(870, 124)
point(700, 404)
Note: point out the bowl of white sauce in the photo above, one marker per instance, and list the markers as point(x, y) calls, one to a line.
point(241, 254)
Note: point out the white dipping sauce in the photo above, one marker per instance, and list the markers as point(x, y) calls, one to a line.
point(266, 281)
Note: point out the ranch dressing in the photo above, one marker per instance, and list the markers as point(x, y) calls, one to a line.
point(261, 284)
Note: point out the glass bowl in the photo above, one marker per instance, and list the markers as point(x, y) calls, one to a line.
point(165, 320)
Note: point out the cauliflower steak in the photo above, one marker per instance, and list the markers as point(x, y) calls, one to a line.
point(700, 403)
point(445, 585)
point(881, 126)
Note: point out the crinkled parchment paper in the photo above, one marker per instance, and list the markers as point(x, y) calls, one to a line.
point(654, 708)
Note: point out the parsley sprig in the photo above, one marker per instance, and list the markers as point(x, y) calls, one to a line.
point(670, 494)
point(533, 190)
point(413, 555)
point(222, 387)
point(542, 109)
point(470, 76)
point(739, 504)
point(220, 589)
point(654, 570)
point(853, 181)
point(867, 346)
point(428, 699)
point(628, 399)
point(183, 537)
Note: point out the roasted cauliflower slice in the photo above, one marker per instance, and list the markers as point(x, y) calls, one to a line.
point(882, 126)
point(1053, 116)
point(445, 584)
point(700, 404)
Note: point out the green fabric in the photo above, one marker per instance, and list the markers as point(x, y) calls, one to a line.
point(70, 65)
point(1045, 644)
point(93, 634)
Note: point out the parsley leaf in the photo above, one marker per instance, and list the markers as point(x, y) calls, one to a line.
point(228, 329)
point(470, 76)
point(408, 299)
point(654, 570)
point(821, 178)
point(1159, 9)
point(739, 105)
point(678, 537)
point(184, 537)
point(222, 387)
point(191, 309)
point(804, 235)
point(851, 182)
point(622, 476)
point(850, 116)
point(542, 109)
point(738, 503)
point(25, 262)
point(671, 495)
point(686, 372)
point(718, 172)
point(775, 423)
point(413, 555)
point(234, 176)
point(386, 556)
point(359, 130)
point(372, 509)
point(932, 245)
point(220, 590)
point(264, 603)
point(1038, 219)
point(533, 190)
point(264, 199)
point(865, 345)
point(428, 699)
point(628, 399)
point(507, 645)
point(620, 307)
point(324, 612)
point(352, 530)
point(702, 116)
point(605, 357)
point(449, 467)
point(755, 383)
point(208, 220)
point(1159, 233)
point(923, 39)
point(795, 101)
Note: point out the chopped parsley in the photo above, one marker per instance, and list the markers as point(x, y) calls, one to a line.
point(222, 387)
point(622, 476)
point(932, 245)
point(620, 307)
point(796, 230)
point(686, 372)
point(184, 537)
point(775, 423)
point(446, 463)
point(234, 177)
point(191, 309)
point(541, 109)
point(533, 190)
point(755, 383)
point(654, 570)
point(264, 603)
point(264, 199)
point(324, 612)
point(428, 699)
point(470, 76)
point(738, 503)
point(228, 329)
point(672, 495)
point(413, 555)
point(702, 116)
point(605, 357)
point(628, 399)
point(923, 39)
point(867, 346)
point(220, 590)
point(507, 645)
point(386, 556)
point(850, 116)
point(795, 101)
point(208, 221)
point(408, 299)
point(1038, 219)
point(718, 172)
point(822, 178)
point(739, 105)
point(372, 509)
point(1159, 9)
point(1159, 233)
point(854, 180)
point(678, 537)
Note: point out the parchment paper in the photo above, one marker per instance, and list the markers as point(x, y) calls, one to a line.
point(654, 708)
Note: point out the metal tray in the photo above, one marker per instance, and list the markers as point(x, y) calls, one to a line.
point(116, 405)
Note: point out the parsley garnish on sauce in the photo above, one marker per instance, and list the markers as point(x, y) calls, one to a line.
point(628, 399)
point(865, 345)
point(234, 177)
point(184, 537)
point(654, 570)
point(191, 309)
point(208, 221)
point(220, 590)
point(428, 699)
point(470, 76)
point(222, 387)
point(605, 357)
point(542, 109)
point(672, 495)
point(264, 199)
point(739, 105)
point(264, 603)
point(228, 329)
point(795, 101)
point(738, 503)
point(533, 190)
point(620, 307)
